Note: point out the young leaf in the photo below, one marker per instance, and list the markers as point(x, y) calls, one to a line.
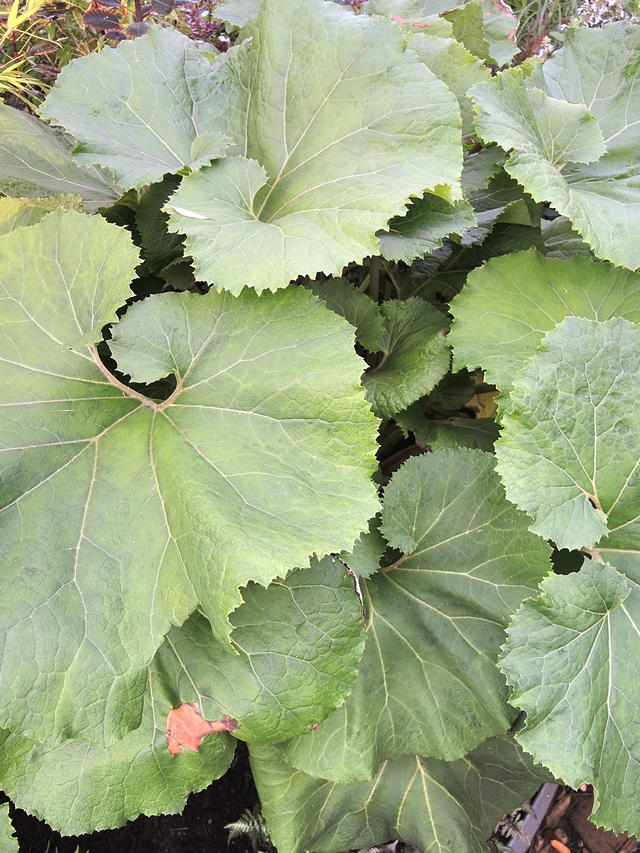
point(326, 110)
point(139, 108)
point(572, 656)
point(261, 457)
point(415, 356)
point(427, 222)
point(534, 294)
point(159, 247)
point(557, 153)
point(298, 644)
point(35, 161)
point(570, 444)
point(440, 806)
point(428, 681)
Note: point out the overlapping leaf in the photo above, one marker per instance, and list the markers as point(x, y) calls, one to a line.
point(573, 655)
point(438, 806)
point(557, 149)
point(142, 110)
point(427, 222)
point(299, 642)
point(428, 681)
point(415, 355)
point(487, 28)
point(534, 294)
point(261, 457)
point(18, 212)
point(104, 788)
point(569, 454)
point(297, 647)
point(35, 161)
point(326, 110)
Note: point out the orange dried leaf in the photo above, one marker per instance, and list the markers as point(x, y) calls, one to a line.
point(559, 846)
point(186, 727)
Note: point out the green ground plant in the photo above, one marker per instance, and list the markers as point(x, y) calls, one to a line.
point(199, 471)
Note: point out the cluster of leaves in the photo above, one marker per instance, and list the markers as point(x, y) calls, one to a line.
point(187, 452)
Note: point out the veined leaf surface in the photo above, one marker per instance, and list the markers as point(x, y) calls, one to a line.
point(36, 161)
point(261, 457)
point(569, 454)
point(299, 642)
point(572, 657)
point(534, 294)
point(556, 154)
point(428, 681)
point(142, 109)
point(437, 806)
point(297, 645)
point(332, 139)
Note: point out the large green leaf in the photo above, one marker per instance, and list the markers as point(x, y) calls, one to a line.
point(18, 212)
point(297, 645)
point(356, 307)
point(260, 457)
point(533, 294)
point(455, 66)
point(557, 153)
point(438, 806)
point(327, 113)
point(415, 355)
point(572, 656)
point(80, 787)
point(487, 28)
point(428, 681)
point(570, 447)
point(142, 110)
point(8, 841)
point(35, 161)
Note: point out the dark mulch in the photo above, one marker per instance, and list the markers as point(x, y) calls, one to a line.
point(567, 822)
point(199, 829)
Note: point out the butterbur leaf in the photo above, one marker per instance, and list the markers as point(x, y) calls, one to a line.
point(435, 805)
point(359, 309)
point(315, 84)
point(415, 356)
point(561, 241)
point(455, 66)
point(364, 558)
point(8, 841)
point(428, 682)
point(18, 212)
point(427, 222)
point(110, 104)
point(159, 247)
point(273, 686)
point(487, 28)
point(557, 153)
point(570, 444)
point(261, 457)
point(35, 161)
point(572, 657)
point(534, 294)
point(104, 788)
point(237, 12)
